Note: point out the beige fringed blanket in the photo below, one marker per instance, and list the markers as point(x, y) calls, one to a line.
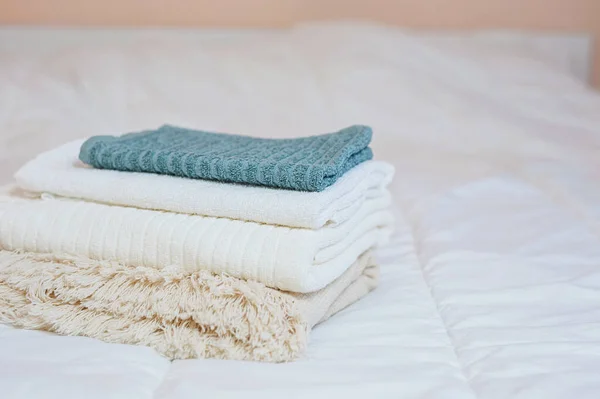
point(199, 314)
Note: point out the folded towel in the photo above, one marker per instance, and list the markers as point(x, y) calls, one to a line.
point(180, 315)
point(59, 172)
point(305, 164)
point(299, 260)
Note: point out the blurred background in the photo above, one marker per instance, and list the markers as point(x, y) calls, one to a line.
point(544, 15)
point(417, 71)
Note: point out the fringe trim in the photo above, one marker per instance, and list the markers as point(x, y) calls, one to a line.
point(197, 315)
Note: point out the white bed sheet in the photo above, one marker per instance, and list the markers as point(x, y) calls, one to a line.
point(491, 287)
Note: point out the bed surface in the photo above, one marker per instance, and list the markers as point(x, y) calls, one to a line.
point(491, 286)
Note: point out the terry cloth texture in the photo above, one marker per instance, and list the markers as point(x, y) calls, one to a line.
point(299, 260)
point(179, 315)
point(59, 172)
point(305, 164)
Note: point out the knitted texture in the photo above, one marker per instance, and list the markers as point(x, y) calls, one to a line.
point(304, 164)
point(59, 172)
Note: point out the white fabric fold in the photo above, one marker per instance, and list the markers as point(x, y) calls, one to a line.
point(59, 172)
point(293, 259)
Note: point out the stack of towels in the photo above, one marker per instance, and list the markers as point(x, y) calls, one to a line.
point(196, 244)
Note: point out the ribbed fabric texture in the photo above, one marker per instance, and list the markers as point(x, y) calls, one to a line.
point(299, 260)
point(305, 164)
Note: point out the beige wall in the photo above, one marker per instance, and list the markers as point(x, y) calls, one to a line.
point(567, 15)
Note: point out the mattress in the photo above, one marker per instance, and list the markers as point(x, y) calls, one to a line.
point(490, 287)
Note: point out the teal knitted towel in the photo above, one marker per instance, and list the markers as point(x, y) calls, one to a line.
point(304, 164)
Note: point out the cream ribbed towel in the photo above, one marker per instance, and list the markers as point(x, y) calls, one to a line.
point(60, 172)
point(179, 315)
point(299, 260)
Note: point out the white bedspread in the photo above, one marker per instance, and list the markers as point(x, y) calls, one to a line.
point(491, 286)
